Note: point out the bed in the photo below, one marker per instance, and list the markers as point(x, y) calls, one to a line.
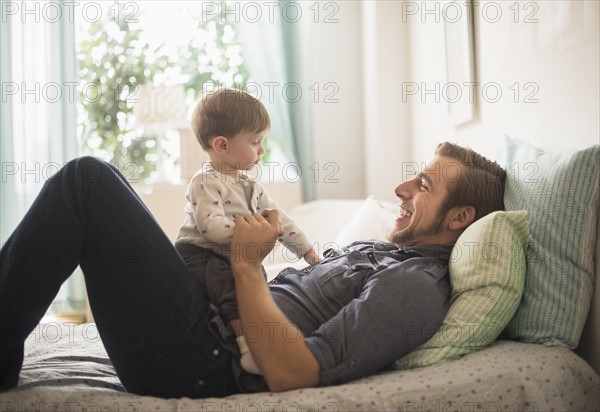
point(67, 369)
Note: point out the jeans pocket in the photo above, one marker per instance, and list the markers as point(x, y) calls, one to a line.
point(145, 371)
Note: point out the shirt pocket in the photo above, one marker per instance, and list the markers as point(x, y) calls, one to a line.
point(345, 281)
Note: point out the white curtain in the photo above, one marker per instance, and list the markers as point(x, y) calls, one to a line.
point(38, 123)
point(277, 53)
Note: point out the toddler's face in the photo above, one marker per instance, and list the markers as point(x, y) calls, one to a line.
point(245, 149)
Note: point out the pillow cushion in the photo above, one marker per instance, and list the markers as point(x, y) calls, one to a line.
point(487, 273)
point(373, 220)
point(560, 191)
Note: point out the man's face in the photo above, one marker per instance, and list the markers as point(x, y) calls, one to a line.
point(422, 218)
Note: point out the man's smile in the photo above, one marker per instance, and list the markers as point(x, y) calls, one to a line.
point(404, 213)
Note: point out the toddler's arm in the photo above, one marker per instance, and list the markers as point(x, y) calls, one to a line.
point(293, 237)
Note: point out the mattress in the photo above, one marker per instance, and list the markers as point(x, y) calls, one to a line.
point(66, 369)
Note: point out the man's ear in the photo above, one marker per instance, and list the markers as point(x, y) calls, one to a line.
point(461, 217)
point(219, 144)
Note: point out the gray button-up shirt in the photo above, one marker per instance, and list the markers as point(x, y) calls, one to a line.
point(359, 309)
point(367, 305)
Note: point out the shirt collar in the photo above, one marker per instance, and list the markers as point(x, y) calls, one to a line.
point(434, 251)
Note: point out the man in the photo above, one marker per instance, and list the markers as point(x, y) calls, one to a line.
point(344, 318)
point(456, 188)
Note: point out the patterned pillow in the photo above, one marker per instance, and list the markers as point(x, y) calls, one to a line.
point(487, 273)
point(560, 191)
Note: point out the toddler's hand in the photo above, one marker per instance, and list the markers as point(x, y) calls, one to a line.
point(311, 257)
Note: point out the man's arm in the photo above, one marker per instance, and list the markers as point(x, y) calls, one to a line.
point(276, 344)
point(396, 311)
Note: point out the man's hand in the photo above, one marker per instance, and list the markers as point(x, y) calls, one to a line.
point(266, 213)
point(254, 237)
point(285, 364)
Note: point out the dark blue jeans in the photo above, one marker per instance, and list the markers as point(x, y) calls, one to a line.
point(152, 313)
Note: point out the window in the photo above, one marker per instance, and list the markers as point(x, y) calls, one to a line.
point(122, 46)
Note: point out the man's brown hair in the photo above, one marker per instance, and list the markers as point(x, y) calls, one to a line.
point(481, 183)
point(227, 112)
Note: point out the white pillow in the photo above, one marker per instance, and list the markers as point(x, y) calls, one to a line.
point(322, 221)
point(373, 220)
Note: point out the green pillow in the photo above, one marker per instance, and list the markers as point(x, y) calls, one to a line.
point(560, 191)
point(487, 273)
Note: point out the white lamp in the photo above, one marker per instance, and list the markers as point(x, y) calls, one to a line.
point(159, 109)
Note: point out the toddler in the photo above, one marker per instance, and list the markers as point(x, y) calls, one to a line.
point(231, 126)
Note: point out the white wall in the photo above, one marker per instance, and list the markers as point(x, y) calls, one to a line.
point(558, 55)
point(338, 126)
point(375, 48)
point(387, 143)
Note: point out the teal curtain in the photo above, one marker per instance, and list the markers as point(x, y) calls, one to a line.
point(297, 51)
point(38, 121)
point(277, 54)
point(8, 204)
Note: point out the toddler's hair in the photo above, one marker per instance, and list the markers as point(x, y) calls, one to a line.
point(227, 112)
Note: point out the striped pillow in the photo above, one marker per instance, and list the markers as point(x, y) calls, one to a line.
point(560, 191)
point(487, 272)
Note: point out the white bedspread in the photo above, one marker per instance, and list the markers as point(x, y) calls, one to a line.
point(67, 369)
